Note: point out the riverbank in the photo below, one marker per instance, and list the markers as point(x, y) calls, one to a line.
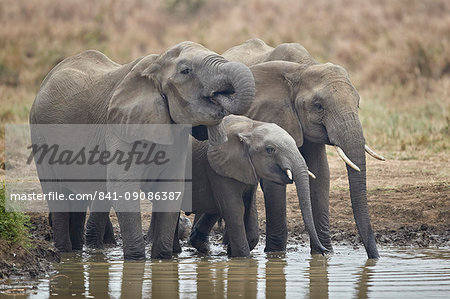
point(32, 260)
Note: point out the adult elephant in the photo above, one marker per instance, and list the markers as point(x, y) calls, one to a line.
point(317, 105)
point(186, 84)
point(225, 178)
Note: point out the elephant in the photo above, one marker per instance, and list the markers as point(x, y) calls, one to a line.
point(186, 84)
point(183, 231)
point(225, 178)
point(317, 105)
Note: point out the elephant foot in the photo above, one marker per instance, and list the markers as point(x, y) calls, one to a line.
point(199, 241)
point(163, 255)
point(62, 244)
point(275, 244)
point(110, 241)
point(108, 237)
point(63, 248)
point(77, 247)
point(77, 242)
point(134, 256)
point(176, 246)
point(241, 252)
point(94, 241)
point(252, 243)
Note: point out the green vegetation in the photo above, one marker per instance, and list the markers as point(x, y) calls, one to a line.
point(13, 225)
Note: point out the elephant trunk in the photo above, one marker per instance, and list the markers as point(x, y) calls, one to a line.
point(238, 99)
point(301, 179)
point(232, 86)
point(351, 140)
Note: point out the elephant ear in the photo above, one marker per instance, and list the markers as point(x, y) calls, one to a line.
point(230, 159)
point(275, 96)
point(137, 101)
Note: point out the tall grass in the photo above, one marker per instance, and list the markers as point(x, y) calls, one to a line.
point(14, 226)
point(397, 52)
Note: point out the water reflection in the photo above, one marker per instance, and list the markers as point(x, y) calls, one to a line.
point(70, 281)
point(242, 278)
point(362, 290)
point(94, 274)
point(275, 277)
point(293, 274)
point(318, 276)
point(164, 279)
point(211, 279)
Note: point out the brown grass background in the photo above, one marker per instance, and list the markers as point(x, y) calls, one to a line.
point(397, 52)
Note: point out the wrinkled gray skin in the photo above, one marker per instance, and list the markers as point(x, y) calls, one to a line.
point(225, 178)
point(317, 105)
point(186, 84)
point(183, 230)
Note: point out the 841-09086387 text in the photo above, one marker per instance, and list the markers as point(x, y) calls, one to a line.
point(57, 196)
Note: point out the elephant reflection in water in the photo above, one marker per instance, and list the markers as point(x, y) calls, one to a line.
point(69, 280)
point(318, 277)
point(242, 278)
point(362, 288)
point(211, 278)
point(206, 277)
point(97, 277)
point(275, 275)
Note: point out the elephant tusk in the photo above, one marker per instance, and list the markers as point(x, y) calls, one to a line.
point(346, 159)
point(289, 174)
point(373, 154)
point(311, 174)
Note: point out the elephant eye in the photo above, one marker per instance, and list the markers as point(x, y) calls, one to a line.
point(185, 71)
point(318, 107)
point(270, 150)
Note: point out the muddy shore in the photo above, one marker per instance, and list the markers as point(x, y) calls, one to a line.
point(409, 203)
point(36, 259)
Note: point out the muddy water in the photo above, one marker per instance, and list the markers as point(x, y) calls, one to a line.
point(404, 273)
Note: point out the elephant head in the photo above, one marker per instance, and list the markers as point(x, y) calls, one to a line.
point(317, 102)
point(257, 150)
point(187, 84)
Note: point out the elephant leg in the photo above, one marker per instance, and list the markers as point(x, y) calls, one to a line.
point(197, 218)
point(76, 229)
point(108, 237)
point(96, 229)
point(165, 227)
point(60, 222)
point(176, 240)
point(200, 231)
point(238, 244)
point(316, 158)
point(251, 220)
point(131, 231)
point(276, 223)
point(229, 198)
point(225, 240)
point(151, 229)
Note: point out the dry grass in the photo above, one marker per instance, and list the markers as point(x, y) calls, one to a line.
point(397, 52)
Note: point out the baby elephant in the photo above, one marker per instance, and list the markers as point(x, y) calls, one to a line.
point(225, 178)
